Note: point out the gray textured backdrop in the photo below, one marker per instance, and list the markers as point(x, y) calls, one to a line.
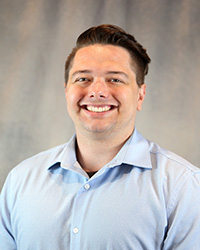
point(35, 39)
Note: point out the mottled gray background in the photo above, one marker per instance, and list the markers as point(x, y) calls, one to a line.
point(35, 39)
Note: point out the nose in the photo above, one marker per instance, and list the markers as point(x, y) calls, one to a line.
point(98, 89)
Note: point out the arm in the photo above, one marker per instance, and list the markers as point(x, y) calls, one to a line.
point(7, 241)
point(184, 216)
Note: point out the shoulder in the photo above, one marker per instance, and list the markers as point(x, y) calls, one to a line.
point(152, 156)
point(177, 177)
point(36, 168)
point(171, 165)
point(164, 157)
point(40, 161)
point(32, 170)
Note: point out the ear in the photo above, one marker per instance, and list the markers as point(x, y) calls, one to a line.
point(141, 95)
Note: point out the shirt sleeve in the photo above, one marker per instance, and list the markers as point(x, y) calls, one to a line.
point(7, 241)
point(184, 216)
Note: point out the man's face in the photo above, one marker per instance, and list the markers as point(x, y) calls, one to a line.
point(102, 94)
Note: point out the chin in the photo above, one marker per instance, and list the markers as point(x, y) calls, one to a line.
point(99, 128)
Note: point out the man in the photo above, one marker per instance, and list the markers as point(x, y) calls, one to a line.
point(108, 187)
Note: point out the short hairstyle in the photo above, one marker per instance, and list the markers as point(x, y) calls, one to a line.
point(107, 34)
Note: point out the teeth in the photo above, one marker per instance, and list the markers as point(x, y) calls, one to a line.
point(100, 109)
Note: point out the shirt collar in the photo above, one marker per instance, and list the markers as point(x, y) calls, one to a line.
point(136, 152)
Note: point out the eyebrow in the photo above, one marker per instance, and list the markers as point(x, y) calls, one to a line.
point(117, 73)
point(107, 73)
point(81, 72)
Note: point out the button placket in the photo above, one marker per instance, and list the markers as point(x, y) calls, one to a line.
point(76, 227)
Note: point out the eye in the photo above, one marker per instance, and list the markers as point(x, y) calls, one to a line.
point(82, 79)
point(115, 80)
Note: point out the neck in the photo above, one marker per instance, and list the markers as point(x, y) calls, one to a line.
point(94, 152)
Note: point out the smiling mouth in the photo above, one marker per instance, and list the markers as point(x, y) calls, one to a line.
point(98, 109)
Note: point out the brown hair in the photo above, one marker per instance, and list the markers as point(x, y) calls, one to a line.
point(113, 35)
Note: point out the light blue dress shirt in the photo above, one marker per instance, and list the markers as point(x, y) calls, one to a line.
point(145, 198)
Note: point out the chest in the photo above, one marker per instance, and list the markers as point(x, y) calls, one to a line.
point(107, 212)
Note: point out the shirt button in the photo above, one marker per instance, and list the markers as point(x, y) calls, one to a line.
point(87, 186)
point(75, 230)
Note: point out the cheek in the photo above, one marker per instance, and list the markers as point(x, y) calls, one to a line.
point(72, 106)
point(73, 97)
point(128, 99)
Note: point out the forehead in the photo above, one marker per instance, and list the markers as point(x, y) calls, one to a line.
point(102, 56)
point(102, 49)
